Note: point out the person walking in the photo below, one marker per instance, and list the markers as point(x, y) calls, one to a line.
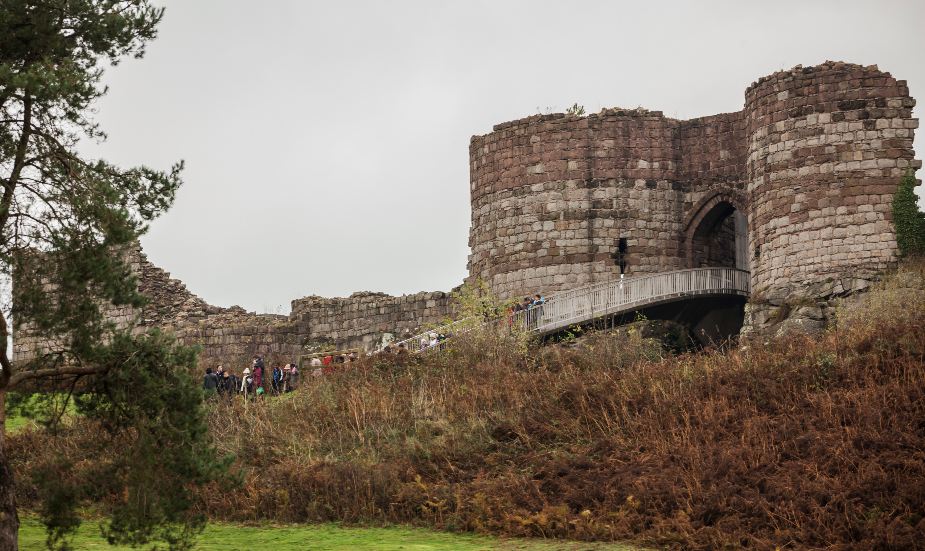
point(247, 384)
point(527, 314)
point(285, 379)
point(258, 375)
point(210, 383)
point(538, 309)
point(277, 383)
point(220, 381)
point(230, 386)
point(293, 376)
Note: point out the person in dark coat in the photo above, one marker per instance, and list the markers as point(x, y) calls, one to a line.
point(230, 386)
point(210, 383)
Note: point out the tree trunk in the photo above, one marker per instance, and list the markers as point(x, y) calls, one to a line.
point(9, 519)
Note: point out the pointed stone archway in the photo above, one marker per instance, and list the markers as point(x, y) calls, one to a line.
point(715, 231)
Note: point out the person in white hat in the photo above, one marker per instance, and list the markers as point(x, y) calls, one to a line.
point(246, 382)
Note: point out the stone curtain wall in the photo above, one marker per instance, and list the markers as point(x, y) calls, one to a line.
point(232, 335)
point(27, 344)
point(364, 320)
point(827, 146)
point(370, 320)
point(812, 161)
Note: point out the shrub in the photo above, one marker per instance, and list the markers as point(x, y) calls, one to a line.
point(908, 220)
point(802, 443)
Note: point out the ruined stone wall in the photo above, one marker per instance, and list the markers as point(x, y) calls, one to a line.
point(27, 344)
point(370, 320)
point(364, 320)
point(827, 146)
point(231, 335)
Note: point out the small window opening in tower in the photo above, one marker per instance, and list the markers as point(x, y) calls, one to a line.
point(619, 257)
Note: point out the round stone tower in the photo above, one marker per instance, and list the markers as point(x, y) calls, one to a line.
point(560, 201)
point(826, 148)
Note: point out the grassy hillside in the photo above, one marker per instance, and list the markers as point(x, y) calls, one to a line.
point(797, 442)
point(327, 537)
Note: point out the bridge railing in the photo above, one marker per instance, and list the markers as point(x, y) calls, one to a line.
point(611, 297)
point(599, 299)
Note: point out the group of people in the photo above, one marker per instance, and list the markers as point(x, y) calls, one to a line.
point(533, 311)
point(327, 364)
point(252, 383)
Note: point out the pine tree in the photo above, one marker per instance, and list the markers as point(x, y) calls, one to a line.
point(908, 220)
point(64, 222)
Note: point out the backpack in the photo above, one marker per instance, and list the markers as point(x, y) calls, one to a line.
point(246, 384)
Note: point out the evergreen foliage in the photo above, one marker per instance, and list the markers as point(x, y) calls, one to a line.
point(908, 220)
point(65, 222)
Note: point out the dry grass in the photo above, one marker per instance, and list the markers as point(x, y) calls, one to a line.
point(805, 443)
point(898, 296)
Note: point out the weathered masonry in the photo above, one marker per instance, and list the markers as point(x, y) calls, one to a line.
point(796, 187)
point(364, 320)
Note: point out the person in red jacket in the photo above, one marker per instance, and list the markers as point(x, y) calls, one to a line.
point(258, 372)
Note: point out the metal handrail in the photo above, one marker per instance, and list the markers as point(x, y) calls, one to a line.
point(412, 343)
point(598, 299)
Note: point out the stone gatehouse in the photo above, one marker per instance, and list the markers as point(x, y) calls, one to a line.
point(795, 187)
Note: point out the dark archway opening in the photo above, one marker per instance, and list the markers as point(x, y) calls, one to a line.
point(720, 240)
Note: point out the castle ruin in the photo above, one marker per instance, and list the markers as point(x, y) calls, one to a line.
point(796, 188)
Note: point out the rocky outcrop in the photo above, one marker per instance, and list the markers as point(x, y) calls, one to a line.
point(815, 306)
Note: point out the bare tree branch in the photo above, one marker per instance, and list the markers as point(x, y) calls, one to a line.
point(52, 372)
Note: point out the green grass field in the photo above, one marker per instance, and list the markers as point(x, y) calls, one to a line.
point(328, 537)
point(16, 421)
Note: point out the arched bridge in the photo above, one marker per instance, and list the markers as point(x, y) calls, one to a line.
point(619, 296)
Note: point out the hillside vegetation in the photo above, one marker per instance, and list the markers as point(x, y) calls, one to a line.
point(799, 442)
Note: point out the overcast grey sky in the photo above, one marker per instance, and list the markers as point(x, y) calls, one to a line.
point(327, 142)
